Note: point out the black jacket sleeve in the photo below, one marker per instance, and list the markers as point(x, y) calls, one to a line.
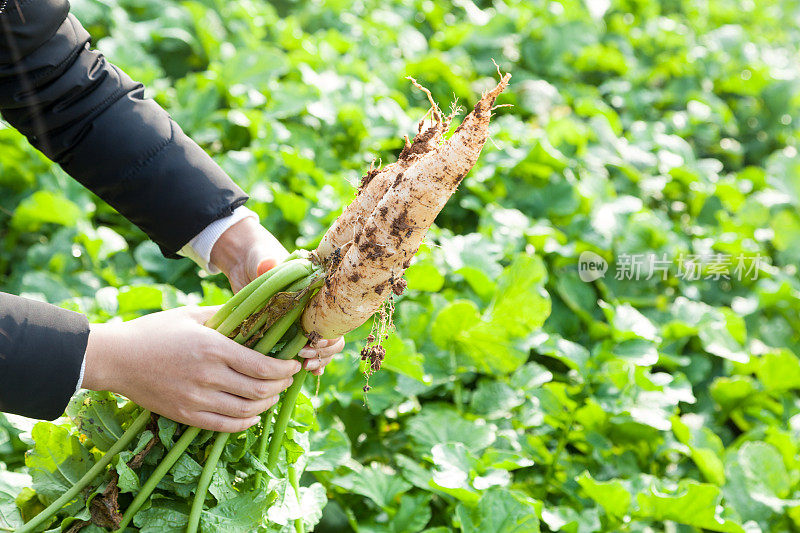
point(92, 119)
point(41, 352)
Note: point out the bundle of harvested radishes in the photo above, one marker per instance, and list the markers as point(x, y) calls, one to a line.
point(358, 265)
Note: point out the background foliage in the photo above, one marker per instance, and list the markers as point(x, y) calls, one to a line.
point(515, 396)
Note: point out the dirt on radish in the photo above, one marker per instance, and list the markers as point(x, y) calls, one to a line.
point(375, 238)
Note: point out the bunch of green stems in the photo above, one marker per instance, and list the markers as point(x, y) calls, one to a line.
point(296, 275)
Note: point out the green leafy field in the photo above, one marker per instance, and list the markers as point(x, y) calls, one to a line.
point(514, 396)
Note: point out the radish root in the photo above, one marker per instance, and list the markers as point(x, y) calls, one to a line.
point(390, 216)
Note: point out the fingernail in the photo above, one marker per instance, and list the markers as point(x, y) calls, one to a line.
point(255, 420)
point(306, 352)
point(313, 364)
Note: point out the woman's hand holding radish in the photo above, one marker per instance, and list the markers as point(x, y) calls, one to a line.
point(317, 355)
point(245, 251)
point(171, 364)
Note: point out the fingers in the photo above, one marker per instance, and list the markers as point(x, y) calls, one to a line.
point(322, 343)
point(320, 351)
point(218, 422)
point(251, 363)
point(236, 407)
point(319, 354)
point(251, 388)
point(314, 365)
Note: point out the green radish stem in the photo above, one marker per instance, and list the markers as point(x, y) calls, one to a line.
point(205, 480)
point(287, 352)
point(161, 470)
point(132, 432)
point(227, 319)
point(247, 290)
point(295, 482)
point(285, 274)
point(291, 348)
point(225, 311)
point(287, 406)
point(297, 254)
point(298, 285)
point(263, 440)
point(222, 438)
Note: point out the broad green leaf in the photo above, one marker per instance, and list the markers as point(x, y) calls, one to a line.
point(706, 448)
point(520, 304)
point(329, 449)
point(455, 466)
point(44, 207)
point(166, 431)
point(402, 357)
point(97, 417)
point(127, 481)
point(490, 349)
point(612, 495)
point(303, 415)
point(413, 513)
point(691, 503)
point(435, 426)
point(167, 516)
point(570, 353)
point(571, 520)
point(779, 371)
point(629, 323)
point(57, 460)
point(474, 251)
point(11, 483)
point(757, 481)
point(290, 506)
point(102, 242)
point(494, 399)
point(376, 483)
point(637, 351)
point(242, 514)
point(455, 318)
point(530, 376)
point(728, 392)
point(424, 276)
point(479, 281)
point(186, 470)
point(213, 294)
point(222, 485)
point(499, 510)
point(140, 298)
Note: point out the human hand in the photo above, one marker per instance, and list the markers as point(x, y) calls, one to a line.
point(173, 365)
point(245, 251)
point(318, 354)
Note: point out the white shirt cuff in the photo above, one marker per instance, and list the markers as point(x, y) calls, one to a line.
point(199, 248)
point(80, 377)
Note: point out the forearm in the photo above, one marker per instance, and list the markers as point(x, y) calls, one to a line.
point(92, 119)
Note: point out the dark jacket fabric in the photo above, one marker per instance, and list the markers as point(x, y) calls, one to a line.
point(41, 351)
point(93, 120)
